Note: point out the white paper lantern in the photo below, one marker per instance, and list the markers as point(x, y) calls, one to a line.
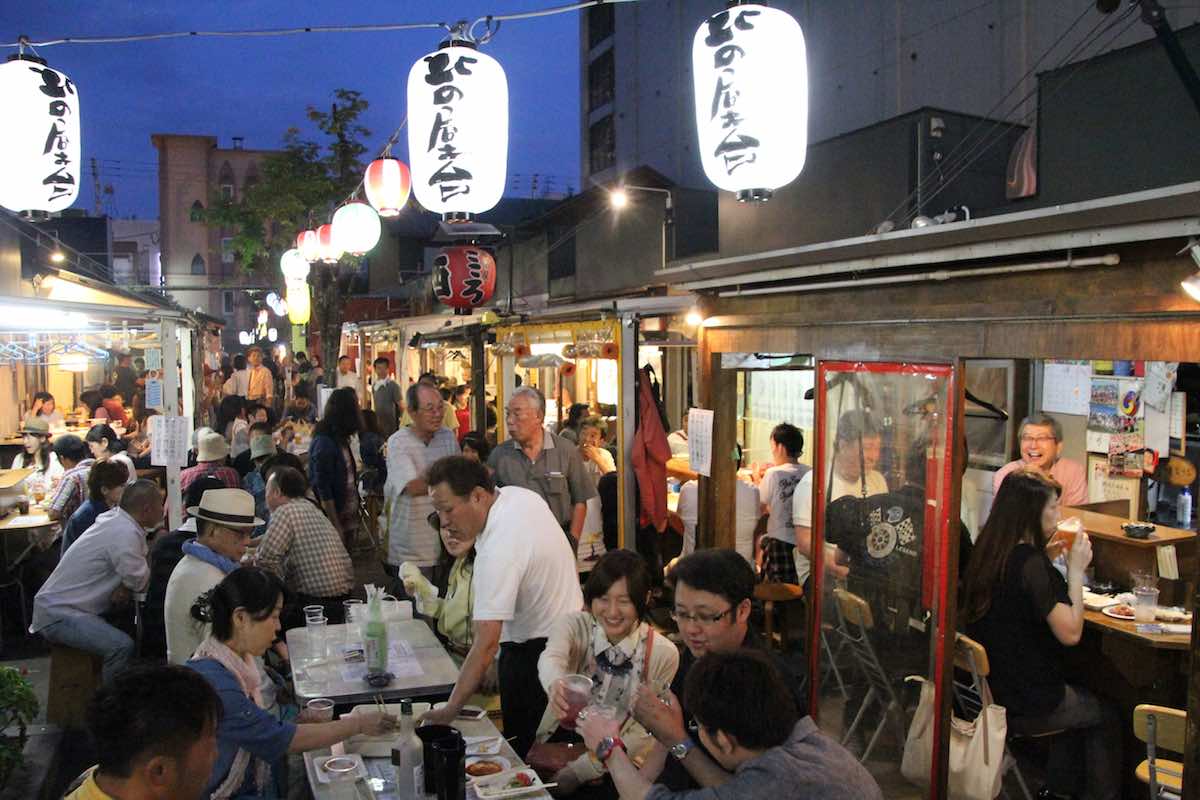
point(327, 249)
point(245, 338)
point(39, 137)
point(458, 130)
point(293, 266)
point(308, 245)
point(751, 83)
point(272, 334)
point(356, 228)
point(387, 183)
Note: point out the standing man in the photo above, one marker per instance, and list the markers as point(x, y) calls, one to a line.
point(260, 383)
point(124, 377)
point(239, 380)
point(346, 376)
point(407, 505)
point(525, 580)
point(543, 462)
point(1041, 449)
point(100, 573)
point(386, 397)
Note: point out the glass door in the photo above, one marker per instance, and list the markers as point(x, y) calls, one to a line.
point(883, 514)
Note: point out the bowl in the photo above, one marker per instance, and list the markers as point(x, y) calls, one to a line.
point(1137, 530)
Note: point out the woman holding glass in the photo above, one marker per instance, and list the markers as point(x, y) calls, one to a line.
point(1019, 607)
point(613, 645)
point(243, 610)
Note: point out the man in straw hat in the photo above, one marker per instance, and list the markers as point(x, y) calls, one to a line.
point(211, 450)
point(224, 521)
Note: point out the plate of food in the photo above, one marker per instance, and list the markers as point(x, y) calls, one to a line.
point(512, 783)
point(482, 766)
point(1119, 611)
point(1173, 614)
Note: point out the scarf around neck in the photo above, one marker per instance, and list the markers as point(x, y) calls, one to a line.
point(209, 556)
point(245, 670)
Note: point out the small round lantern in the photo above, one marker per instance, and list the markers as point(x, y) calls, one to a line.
point(464, 277)
point(329, 252)
point(609, 350)
point(356, 228)
point(388, 183)
point(567, 370)
point(308, 245)
point(293, 266)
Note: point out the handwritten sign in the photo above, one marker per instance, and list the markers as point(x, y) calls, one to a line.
point(700, 430)
point(169, 436)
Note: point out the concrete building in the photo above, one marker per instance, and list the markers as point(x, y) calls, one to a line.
point(137, 254)
point(198, 265)
point(867, 61)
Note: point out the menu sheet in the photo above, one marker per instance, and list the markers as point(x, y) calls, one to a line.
point(169, 436)
point(700, 440)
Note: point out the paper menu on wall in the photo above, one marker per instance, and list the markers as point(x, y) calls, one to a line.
point(1066, 387)
point(169, 435)
point(1178, 414)
point(1103, 487)
point(1160, 380)
point(154, 393)
point(700, 430)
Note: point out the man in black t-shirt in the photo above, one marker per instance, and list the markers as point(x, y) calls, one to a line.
point(713, 597)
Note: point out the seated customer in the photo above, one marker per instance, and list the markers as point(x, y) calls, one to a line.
point(100, 574)
point(262, 449)
point(302, 548)
point(613, 644)
point(1017, 605)
point(453, 611)
point(102, 440)
point(154, 730)
point(211, 450)
point(713, 596)
point(72, 489)
point(766, 747)
point(247, 460)
point(243, 610)
point(224, 519)
point(1041, 438)
point(106, 481)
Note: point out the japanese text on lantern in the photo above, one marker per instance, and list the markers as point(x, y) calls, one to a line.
point(736, 148)
point(56, 87)
point(451, 178)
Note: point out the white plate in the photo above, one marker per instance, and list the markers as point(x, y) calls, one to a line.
point(1109, 612)
point(492, 787)
point(483, 745)
point(504, 763)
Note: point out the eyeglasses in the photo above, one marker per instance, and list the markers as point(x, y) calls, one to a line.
point(1044, 439)
point(701, 619)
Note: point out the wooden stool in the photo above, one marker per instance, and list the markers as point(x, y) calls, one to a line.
point(770, 594)
point(74, 678)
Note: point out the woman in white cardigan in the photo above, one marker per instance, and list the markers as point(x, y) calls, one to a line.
point(612, 644)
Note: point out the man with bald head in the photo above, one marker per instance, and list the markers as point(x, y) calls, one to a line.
point(543, 462)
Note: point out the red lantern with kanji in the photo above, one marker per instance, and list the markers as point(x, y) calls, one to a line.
point(464, 277)
point(387, 184)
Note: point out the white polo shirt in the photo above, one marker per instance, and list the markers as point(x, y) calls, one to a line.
point(525, 573)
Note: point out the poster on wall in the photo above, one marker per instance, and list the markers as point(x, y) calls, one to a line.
point(1066, 387)
point(1115, 408)
point(1103, 487)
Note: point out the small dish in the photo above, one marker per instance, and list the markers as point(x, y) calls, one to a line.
point(513, 783)
point(485, 766)
point(1119, 611)
point(340, 768)
point(1138, 530)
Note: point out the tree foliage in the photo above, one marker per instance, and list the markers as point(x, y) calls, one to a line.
point(298, 187)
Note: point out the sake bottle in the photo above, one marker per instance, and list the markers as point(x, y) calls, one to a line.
point(375, 641)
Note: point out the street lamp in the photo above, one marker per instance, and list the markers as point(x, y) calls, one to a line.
point(619, 198)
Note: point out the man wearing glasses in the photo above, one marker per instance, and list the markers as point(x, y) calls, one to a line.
point(1041, 449)
point(543, 462)
point(410, 450)
point(713, 591)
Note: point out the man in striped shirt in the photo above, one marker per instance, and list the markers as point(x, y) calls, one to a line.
point(72, 487)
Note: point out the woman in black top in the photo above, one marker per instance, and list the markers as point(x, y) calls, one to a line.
point(1017, 605)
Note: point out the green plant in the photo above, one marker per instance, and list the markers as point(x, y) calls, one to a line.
point(18, 707)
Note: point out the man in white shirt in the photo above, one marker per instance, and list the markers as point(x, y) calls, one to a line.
point(775, 491)
point(745, 512)
point(239, 380)
point(101, 572)
point(407, 505)
point(224, 521)
point(346, 376)
point(856, 448)
point(525, 580)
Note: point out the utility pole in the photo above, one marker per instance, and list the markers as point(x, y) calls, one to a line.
point(96, 202)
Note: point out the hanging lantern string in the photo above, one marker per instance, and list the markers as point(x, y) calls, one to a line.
point(23, 41)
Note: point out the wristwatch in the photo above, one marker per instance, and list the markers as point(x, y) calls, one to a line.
point(681, 749)
point(608, 745)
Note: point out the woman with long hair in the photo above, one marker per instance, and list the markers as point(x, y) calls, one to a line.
point(243, 610)
point(37, 454)
point(1019, 607)
point(331, 468)
point(105, 445)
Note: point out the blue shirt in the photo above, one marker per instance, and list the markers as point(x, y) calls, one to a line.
point(254, 484)
point(243, 725)
point(83, 518)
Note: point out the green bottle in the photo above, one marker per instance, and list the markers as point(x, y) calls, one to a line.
point(375, 641)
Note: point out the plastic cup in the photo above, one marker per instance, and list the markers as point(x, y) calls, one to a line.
point(1145, 604)
point(315, 630)
point(320, 709)
point(312, 612)
point(578, 691)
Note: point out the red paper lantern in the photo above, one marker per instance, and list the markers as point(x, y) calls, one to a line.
point(464, 277)
point(567, 370)
point(609, 350)
point(329, 252)
point(388, 183)
point(308, 245)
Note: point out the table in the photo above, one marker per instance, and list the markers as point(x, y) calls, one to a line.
point(427, 670)
point(1128, 630)
point(381, 769)
point(1115, 555)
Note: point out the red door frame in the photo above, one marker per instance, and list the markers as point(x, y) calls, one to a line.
point(946, 625)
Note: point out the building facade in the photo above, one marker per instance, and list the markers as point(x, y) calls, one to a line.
point(198, 265)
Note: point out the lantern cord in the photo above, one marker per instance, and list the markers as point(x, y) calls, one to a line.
point(490, 30)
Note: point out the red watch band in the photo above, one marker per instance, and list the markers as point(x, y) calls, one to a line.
point(616, 742)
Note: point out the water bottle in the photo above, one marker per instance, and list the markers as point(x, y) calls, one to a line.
point(408, 756)
point(1184, 509)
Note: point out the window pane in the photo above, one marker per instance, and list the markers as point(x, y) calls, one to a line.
point(601, 22)
point(601, 80)
point(602, 146)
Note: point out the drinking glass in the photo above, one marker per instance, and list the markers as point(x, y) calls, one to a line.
point(320, 709)
point(315, 628)
point(578, 692)
point(356, 615)
point(1145, 604)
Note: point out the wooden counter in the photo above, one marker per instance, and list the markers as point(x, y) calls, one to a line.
point(1115, 555)
point(1106, 527)
point(1128, 630)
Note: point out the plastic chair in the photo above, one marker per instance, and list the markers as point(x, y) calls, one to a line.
point(1159, 726)
point(971, 658)
point(856, 621)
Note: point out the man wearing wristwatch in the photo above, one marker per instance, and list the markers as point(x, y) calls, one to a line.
point(713, 591)
point(757, 738)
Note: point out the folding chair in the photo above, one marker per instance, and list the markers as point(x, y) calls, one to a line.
point(1158, 726)
point(971, 657)
point(856, 621)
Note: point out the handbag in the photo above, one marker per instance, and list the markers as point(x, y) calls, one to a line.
point(548, 758)
point(976, 748)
